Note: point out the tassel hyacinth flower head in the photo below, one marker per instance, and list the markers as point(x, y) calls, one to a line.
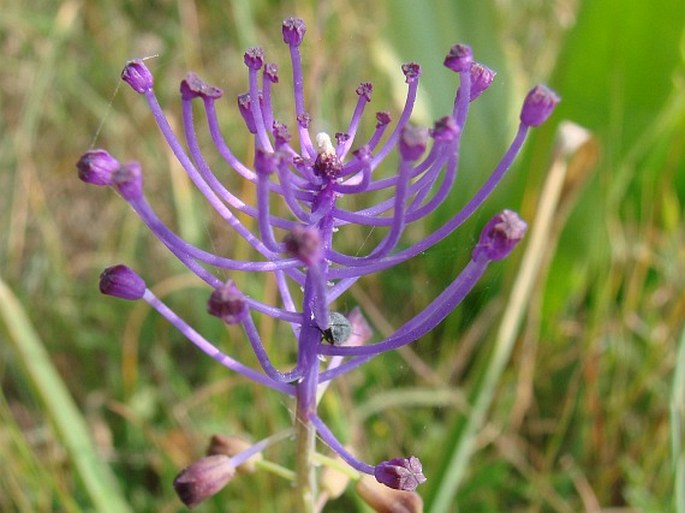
point(310, 177)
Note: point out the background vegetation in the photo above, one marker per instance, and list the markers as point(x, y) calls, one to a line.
point(577, 408)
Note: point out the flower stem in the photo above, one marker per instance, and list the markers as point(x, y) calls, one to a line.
point(305, 432)
point(305, 481)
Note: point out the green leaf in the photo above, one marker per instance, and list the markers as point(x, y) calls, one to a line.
point(98, 480)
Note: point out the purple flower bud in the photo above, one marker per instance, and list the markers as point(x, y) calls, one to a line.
point(327, 165)
point(304, 242)
point(97, 167)
point(412, 72)
point(400, 473)
point(266, 162)
point(203, 479)
point(138, 76)
point(227, 303)
point(383, 118)
point(194, 87)
point(459, 58)
point(500, 236)
point(342, 137)
point(254, 58)
point(364, 90)
point(481, 78)
point(538, 105)
point(413, 141)
point(271, 72)
point(304, 119)
point(445, 129)
point(293, 31)
point(122, 282)
point(244, 106)
point(281, 134)
point(128, 180)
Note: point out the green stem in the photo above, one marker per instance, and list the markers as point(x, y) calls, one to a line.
point(305, 481)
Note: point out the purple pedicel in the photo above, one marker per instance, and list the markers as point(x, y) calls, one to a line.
point(302, 256)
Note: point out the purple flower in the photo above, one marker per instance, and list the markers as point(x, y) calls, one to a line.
point(481, 79)
point(500, 236)
point(203, 479)
point(138, 76)
point(459, 58)
point(538, 105)
point(122, 282)
point(227, 303)
point(97, 167)
point(400, 473)
point(311, 273)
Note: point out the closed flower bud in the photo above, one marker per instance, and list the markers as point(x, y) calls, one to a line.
point(203, 479)
point(194, 87)
point(413, 141)
point(254, 58)
point(386, 500)
point(538, 105)
point(293, 31)
point(96, 167)
point(122, 282)
point(412, 72)
point(459, 58)
point(445, 129)
point(327, 165)
point(383, 118)
point(365, 89)
point(138, 76)
point(481, 78)
point(304, 120)
point(245, 108)
point(304, 242)
point(265, 162)
point(227, 303)
point(271, 72)
point(500, 236)
point(400, 473)
point(281, 134)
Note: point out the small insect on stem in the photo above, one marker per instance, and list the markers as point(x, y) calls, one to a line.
point(338, 331)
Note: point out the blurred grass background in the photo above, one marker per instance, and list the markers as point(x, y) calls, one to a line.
point(102, 402)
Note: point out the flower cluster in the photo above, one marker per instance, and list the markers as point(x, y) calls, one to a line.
point(310, 178)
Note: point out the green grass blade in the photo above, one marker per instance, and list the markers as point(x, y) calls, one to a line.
point(529, 276)
point(97, 478)
point(677, 422)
